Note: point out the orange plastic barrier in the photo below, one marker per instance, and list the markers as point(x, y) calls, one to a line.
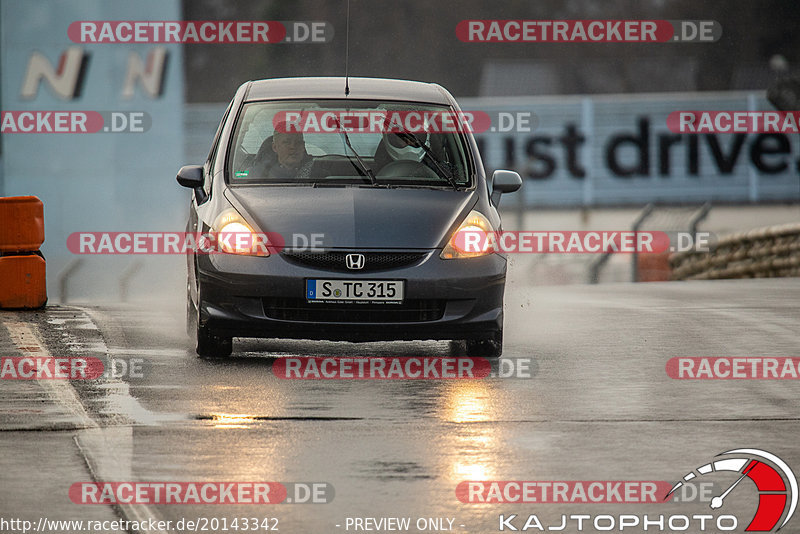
point(21, 224)
point(22, 282)
point(22, 268)
point(654, 267)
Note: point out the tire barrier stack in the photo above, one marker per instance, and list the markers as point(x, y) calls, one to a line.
point(22, 266)
point(770, 252)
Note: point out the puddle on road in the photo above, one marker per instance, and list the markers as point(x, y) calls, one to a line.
point(227, 420)
point(386, 471)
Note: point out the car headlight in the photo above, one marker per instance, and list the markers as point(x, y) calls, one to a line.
point(470, 240)
point(235, 236)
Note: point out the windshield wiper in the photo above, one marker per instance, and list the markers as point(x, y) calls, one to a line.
point(412, 140)
point(367, 170)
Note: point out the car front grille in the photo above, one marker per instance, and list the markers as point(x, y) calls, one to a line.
point(336, 260)
point(298, 309)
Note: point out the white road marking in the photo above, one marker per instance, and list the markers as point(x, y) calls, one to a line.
point(107, 451)
point(61, 391)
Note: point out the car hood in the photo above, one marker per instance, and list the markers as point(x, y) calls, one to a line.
point(355, 217)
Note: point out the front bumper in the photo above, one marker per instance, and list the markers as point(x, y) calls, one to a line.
point(243, 296)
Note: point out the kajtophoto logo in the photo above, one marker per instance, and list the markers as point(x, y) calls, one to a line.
point(717, 484)
point(774, 480)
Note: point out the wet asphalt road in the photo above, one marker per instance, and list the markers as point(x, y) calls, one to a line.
point(598, 405)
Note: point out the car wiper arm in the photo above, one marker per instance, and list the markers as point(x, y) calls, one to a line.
point(412, 140)
point(364, 167)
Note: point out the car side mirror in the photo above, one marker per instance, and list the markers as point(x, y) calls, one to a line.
point(191, 176)
point(504, 182)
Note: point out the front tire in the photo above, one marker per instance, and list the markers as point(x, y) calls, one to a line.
point(207, 344)
point(489, 347)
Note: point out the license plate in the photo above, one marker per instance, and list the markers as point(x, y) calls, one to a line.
point(355, 290)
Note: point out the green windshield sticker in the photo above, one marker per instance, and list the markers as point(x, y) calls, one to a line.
point(241, 174)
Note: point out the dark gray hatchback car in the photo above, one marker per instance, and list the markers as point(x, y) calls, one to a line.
point(355, 200)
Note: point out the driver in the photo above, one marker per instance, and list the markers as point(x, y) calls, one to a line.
point(291, 159)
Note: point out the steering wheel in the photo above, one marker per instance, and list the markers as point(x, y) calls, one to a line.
point(406, 168)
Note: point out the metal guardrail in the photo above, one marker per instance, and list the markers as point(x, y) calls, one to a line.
point(597, 265)
point(636, 226)
point(697, 218)
point(126, 277)
point(639, 222)
point(64, 276)
point(770, 252)
point(692, 224)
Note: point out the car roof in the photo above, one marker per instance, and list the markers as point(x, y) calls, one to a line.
point(333, 88)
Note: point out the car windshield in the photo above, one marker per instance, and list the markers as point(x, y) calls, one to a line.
point(350, 142)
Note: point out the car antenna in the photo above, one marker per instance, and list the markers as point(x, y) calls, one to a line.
point(347, 52)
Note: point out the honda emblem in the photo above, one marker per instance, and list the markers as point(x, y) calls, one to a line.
point(355, 261)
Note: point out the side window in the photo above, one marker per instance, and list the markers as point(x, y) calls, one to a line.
point(212, 155)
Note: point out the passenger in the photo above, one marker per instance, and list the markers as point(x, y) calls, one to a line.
point(393, 148)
